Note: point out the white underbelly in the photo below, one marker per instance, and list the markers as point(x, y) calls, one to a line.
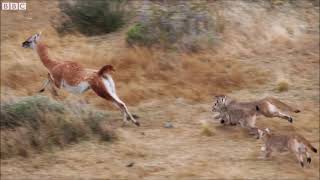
point(76, 89)
point(109, 85)
point(272, 108)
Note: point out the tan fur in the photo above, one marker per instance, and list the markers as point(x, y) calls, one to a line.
point(282, 110)
point(268, 107)
point(233, 113)
point(295, 143)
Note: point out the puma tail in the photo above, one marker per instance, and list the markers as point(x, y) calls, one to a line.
point(308, 144)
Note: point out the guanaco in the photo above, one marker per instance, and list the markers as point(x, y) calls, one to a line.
point(74, 78)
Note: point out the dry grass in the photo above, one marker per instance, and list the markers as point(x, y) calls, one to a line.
point(178, 153)
point(197, 76)
point(257, 44)
point(205, 130)
point(37, 124)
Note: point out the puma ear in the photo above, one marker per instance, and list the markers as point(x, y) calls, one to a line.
point(224, 99)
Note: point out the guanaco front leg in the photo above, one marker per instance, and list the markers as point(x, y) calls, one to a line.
point(45, 84)
point(49, 82)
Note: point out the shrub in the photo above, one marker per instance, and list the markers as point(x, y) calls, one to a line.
point(178, 24)
point(37, 123)
point(282, 86)
point(138, 34)
point(205, 130)
point(93, 17)
point(29, 110)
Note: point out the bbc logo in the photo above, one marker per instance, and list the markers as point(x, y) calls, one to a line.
point(21, 6)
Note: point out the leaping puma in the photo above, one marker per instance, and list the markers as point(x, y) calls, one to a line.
point(74, 78)
point(268, 107)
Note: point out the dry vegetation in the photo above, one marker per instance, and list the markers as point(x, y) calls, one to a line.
point(261, 49)
point(36, 123)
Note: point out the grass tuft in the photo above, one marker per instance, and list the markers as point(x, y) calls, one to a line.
point(38, 123)
point(205, 130)
point(282, 86)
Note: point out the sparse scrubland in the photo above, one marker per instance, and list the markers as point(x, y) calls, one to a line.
point(170, 59)
point(37, 123)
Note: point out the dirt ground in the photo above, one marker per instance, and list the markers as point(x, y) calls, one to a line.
point(181, 152)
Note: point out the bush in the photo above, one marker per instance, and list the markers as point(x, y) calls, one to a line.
point(282, 86)
point(93, 17)
point(138, 34)
point(179, 24)
point(29, 110)
point(37, 123)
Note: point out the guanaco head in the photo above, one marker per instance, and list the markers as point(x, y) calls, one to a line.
point(263, 132)
point(31, 41)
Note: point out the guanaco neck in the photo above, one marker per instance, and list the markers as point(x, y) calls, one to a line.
point(42, 51)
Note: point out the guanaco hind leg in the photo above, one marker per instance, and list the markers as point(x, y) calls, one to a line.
point(104, 87)
point(126, 114)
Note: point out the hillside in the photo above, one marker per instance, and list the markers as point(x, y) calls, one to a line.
point(260, 49)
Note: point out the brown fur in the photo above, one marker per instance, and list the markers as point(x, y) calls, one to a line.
point(74, 76)
point(97, 86)
point(105, 69)
point(42, 51)
point(71, 72)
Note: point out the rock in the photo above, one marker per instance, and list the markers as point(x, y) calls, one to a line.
point(168, 125)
